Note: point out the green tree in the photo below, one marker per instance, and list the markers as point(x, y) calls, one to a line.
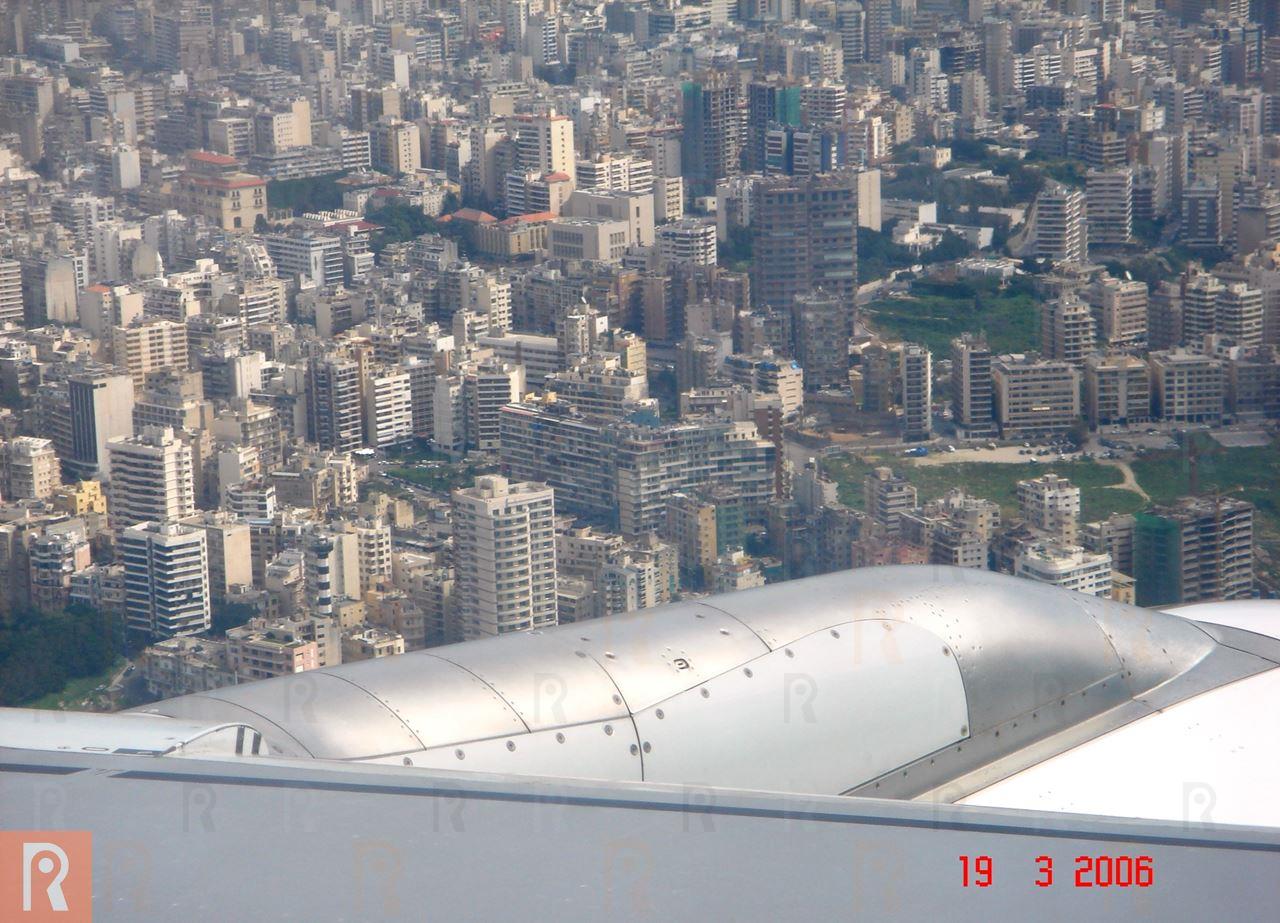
point(41, 651)
point(306, 194)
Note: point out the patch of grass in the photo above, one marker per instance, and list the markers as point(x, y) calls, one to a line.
point(999, 482)
point(848, 471)
point(1099, 497)
point(76, 690)
point(1100, 502)
point(1251, 474)
point(1167, 475)
point(441, 478)
point(934, 314)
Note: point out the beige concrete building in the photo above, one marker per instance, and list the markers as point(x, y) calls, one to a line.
point(230, 549)
point(1187, 387)
point(600, 239)
point(691, 526)
point(635, 208)
point(1123, 308)
point(215, 187)
point(1117, 390)
point(1034, 397)
point(1051, 504)
point(29, 468)
point(149, 344)
point(152, 478)
point(371, 643)
point(395, 146)
point(286, 125)
point(258, 650)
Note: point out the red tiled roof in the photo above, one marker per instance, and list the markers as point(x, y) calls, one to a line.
point(533, 218)
point(474, 215)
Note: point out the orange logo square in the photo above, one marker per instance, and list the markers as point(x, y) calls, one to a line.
point(46, 875)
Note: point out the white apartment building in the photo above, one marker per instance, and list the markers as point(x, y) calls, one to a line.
point(486, 388)
point(152, 478)
point(166, 579)
point(388, 408)
point(1059, 229)
point(10, 292)
point(1066, 566)
point(689, 240)
point(505, 553)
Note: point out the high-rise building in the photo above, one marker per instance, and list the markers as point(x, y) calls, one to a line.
point(62, 549)
point(331, 568)
point(690, 240)
point(806, 239)
point(1123, 306)
point(544, 144)
point(229, 547)
point(487, 387)
point(11, 311)
point(100, 408)
point(769, 102)
point(712, 118)
point(1110, 206)
point(388, 410)
point(1067, 329)
point(166, 580)
point(822, 324)
point(1059, 230)
point(394, 146)
point(149, 344)
point(879, 23)
point(1239, 314)
point(1199, 549)
point(1202, 213)
point(1164, 316)
point(1187, 387)
point(1200, 307)
point(333, 403)
point(152, 478)
point(505, 554)
point(621, 473)
point(971, 390)
point(886, 496)
point(917, 392)
point(851, 23)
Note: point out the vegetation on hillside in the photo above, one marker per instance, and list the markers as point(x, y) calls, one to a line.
point(936, 312)
point(40, 652)
point(399, 223)
point(308, 194)
point(878, 255)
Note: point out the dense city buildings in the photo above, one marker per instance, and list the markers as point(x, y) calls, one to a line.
point(332, 330)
